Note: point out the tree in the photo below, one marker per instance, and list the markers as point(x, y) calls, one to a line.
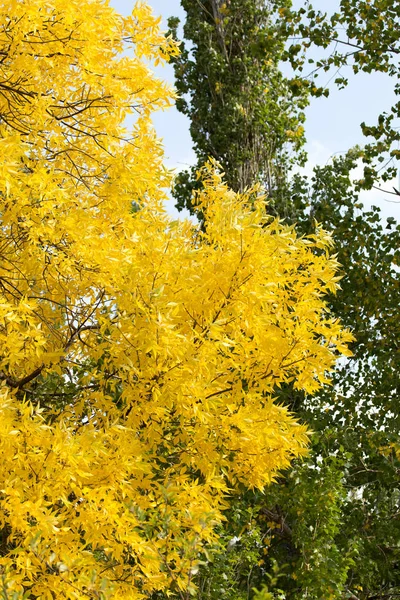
point(357, 420)
point(362, 36)
point(242, 109)
point(331, 528)
point(139, 356)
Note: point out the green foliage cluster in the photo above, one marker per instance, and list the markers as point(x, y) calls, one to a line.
point(357, 419)
point(331, 529)
point(362, 36)
point(243, 111)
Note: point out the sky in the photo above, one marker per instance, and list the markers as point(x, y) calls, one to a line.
point(332, 124)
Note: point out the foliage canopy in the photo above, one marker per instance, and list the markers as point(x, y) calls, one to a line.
point(331, 529)
point(243, 111)
point(139, 356)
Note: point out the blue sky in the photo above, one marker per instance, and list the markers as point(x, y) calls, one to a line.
point(332, 126)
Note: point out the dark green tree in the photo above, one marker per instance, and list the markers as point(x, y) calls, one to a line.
point(243, 111)
point(361, 36)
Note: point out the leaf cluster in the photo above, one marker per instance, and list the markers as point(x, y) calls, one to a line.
point(243, 111)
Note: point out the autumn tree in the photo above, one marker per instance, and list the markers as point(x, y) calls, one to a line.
point(140, 356)
point(330, 529)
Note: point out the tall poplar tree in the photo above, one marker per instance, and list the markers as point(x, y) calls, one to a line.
point(243, 111)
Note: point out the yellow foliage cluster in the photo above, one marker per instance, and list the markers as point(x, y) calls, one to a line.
point(138, 355)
